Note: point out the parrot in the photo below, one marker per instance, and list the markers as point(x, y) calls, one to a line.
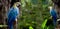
point(54, 15)
point(13, 14)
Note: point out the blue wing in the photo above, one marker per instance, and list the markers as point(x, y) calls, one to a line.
point(53, 13)
point(12, 15)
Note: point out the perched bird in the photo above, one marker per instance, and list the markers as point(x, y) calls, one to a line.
point(48, 23)
point(54, 15)
point(12, 14)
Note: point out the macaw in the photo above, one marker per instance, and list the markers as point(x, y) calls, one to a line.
point(54, 15)
point(13, 14)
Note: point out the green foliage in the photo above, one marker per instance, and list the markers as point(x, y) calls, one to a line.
point(44, 24)
point(34, 11)
point(30, 27)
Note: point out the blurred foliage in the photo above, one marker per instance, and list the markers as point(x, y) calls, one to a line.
point(34, 12)
point(44, 24)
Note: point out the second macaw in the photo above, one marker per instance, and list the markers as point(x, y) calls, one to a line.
point(54, 15)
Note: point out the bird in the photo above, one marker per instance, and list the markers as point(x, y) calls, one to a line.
point(53, 13)
point(13, 14)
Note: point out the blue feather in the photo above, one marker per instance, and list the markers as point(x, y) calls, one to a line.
point(54, 15)
point(12, 15)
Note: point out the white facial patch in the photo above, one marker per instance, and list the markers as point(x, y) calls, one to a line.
point(18, 3)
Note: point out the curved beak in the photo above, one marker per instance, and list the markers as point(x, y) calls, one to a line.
point(18, 3)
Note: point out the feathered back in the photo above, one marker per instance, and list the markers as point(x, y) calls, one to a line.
point(12, 14)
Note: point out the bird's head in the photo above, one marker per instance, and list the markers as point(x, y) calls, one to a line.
point(16, 4)
point(50, 7)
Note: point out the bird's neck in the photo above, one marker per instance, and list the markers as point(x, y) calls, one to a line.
point(14, 5)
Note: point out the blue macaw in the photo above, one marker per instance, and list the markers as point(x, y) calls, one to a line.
point(12, 15)
point(54, 15)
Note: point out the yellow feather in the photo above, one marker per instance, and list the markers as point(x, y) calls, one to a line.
point(15, 4)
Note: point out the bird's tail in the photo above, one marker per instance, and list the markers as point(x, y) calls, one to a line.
point(54, 22)
point(10, 26)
